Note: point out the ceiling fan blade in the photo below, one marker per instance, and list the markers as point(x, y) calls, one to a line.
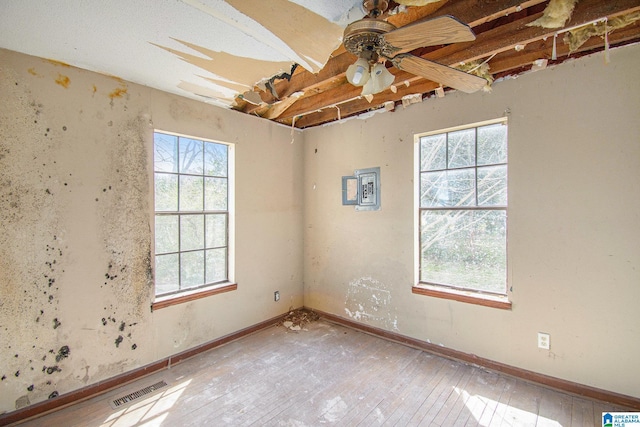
point(431, 32)
point(439, 73)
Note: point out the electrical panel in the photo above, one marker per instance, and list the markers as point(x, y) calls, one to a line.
point(362, 189)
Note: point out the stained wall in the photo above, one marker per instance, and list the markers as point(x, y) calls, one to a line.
point(573, 223)
point(76, 219)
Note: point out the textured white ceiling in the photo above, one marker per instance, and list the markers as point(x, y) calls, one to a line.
point(140, 40)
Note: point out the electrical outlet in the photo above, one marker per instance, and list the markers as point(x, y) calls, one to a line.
point(544, 341)
point(276, 296)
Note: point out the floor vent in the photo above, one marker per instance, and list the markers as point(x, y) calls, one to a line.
point(132, 397)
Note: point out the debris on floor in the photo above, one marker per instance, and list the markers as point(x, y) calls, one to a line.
point(296, 319)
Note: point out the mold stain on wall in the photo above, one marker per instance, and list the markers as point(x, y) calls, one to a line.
point(32, 246)
point(63, 80)
point(118, 92)
point(121, 91)
point(122, 201)
point(40, 357)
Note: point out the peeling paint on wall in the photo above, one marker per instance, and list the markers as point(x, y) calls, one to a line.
point(369, 301)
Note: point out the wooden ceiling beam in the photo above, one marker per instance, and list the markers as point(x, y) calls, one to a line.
point(414, 13)
point(543, 49)
point(303, 80)
point(477, 12)
point(361, 105)
point(517, 33)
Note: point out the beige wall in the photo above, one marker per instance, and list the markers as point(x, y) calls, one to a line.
point(573, 223)
point(76, 197)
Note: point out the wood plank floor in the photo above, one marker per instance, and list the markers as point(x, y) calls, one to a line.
point(330, 375)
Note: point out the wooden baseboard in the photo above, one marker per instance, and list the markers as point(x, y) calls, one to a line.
point(50, 405)
point(545, 380)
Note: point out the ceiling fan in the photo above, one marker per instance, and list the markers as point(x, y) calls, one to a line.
point(375, 41)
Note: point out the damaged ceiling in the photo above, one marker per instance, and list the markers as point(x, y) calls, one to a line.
point(283, 59)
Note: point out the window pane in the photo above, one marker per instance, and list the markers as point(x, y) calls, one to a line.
point(166, 233)
point(216, 265)
point(191, 156)
point(492, 144)
point(216, 194)
point(492, 186)
point(165, 152)
point(461, 186)
point(191, 193)
point(462, 148)
point(191, 232)
point(463, 248)
point(448, 188)
point(433, 189)
point(216, 230)
point(166, 192)
point(191, 269)
point(433, 152)
point(215, 159)
point(167, 274)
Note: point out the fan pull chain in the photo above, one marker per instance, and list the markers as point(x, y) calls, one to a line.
point(339, 116)
point(554, 52)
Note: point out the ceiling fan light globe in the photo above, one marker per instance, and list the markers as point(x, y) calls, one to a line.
point(380, 80)
point(358, 73)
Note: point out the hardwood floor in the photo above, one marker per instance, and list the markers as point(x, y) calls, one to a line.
point(330, 375)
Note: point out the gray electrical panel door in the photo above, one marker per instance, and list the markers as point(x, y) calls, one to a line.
point(362, 189)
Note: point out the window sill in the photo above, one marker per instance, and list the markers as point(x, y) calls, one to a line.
point(170, 300)
point(495, 301)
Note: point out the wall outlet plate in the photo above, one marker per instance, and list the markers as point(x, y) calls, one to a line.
point(544, 340)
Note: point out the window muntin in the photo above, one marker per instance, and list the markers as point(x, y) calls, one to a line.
point(463, 208)
point(191, 178)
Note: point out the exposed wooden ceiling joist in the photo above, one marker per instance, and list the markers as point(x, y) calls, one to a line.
point(503, 35)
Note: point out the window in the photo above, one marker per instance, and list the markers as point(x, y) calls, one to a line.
point(192, 213)
point(462, 213)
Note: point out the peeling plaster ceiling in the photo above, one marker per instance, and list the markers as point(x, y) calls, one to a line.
point(203, 49)
point(223, 51)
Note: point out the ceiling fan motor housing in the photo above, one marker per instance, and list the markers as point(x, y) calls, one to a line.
point(362, 38)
